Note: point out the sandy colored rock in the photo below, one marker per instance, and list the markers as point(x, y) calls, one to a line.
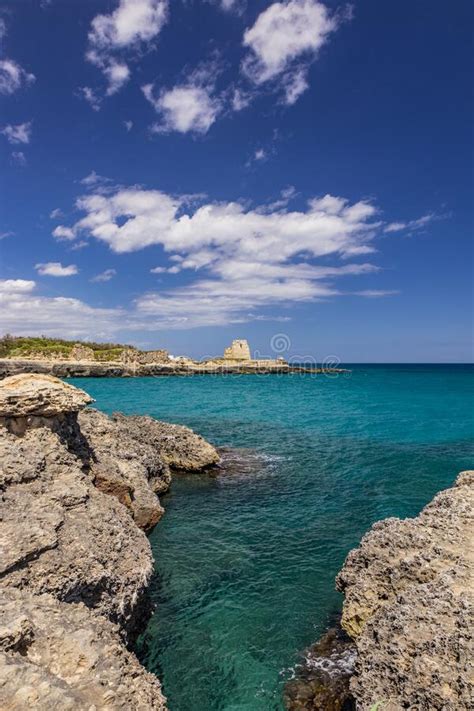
point(126, 465)
point(77, 492)
point(30, 394)
point(409, 595)
point(180, 447)
point(60, 657)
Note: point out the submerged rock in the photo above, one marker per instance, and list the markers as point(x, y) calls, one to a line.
point(77, 491)
point(409, 594)
point(322, 680)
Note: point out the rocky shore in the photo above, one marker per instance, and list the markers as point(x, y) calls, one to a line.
point(95, 369)
point(407, 614)
point(78, 492)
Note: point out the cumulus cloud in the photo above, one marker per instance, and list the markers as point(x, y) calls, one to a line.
point(19, 133)
point(16, 286)
point(56, 214)
point(63, 233)
point(104, 276)
point(191, 106)
point(13, 77)
point(284, 40)
point(244, 259)
point(132, 26)
point(23, 312)
point(56, 269)
point(128, 125)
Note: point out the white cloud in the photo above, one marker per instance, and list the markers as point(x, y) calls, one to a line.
point(13, 77)
point(411, 225)
point(56, 214)
point(241, 99)
point(245, 259)
point(284, 35)
point(235, 6)
point(134, 24)
point(376, 293)
point(91, 96)
point(22, 312)
point(128, 125)
point(104, 276)
point(19, 133)
point(185, 109)
point(117, 74)
point(191, 106)
point(294, 84)
point(94, 179)
point(56, 269)
point(19, 158)
point(63, 233)
point(4, 235)
point(16, 286)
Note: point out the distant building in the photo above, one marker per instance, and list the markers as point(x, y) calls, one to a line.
point(239, 350)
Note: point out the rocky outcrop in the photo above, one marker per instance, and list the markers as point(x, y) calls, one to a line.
point(63, 657)
point(409, 596)
point(78, 492)
point(27, 395)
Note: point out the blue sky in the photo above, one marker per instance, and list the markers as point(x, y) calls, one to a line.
point(178, 175)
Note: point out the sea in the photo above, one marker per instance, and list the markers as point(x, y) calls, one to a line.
point(246, 559)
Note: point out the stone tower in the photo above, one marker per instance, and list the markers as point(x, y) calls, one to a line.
point(239, 350)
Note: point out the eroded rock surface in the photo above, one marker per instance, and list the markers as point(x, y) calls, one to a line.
point(30, 394)
point(77, 493)
point(180, 447)
point(409, 594)
point(65, 657)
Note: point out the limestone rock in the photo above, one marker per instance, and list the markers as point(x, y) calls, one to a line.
point(77, 492)
point(409, 594)
point(180, 447)
point(60, 535)
point(126, 465)
point(29, 394)
point(60, 657)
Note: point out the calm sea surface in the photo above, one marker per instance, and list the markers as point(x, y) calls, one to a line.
point(246, 561)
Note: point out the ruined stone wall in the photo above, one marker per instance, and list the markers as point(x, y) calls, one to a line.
point(239, 350)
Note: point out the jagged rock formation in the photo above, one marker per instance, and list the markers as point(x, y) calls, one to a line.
point(77, 494)
point(409, 597)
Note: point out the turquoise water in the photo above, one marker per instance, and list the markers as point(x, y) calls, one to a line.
point(246, 562)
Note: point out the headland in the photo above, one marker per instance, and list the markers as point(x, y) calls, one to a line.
point(67, 359)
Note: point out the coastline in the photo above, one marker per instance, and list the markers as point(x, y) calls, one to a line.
point(407, 617)
point(81, 491)
point(111, 369)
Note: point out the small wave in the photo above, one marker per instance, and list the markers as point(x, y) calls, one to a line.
point(244, 462)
